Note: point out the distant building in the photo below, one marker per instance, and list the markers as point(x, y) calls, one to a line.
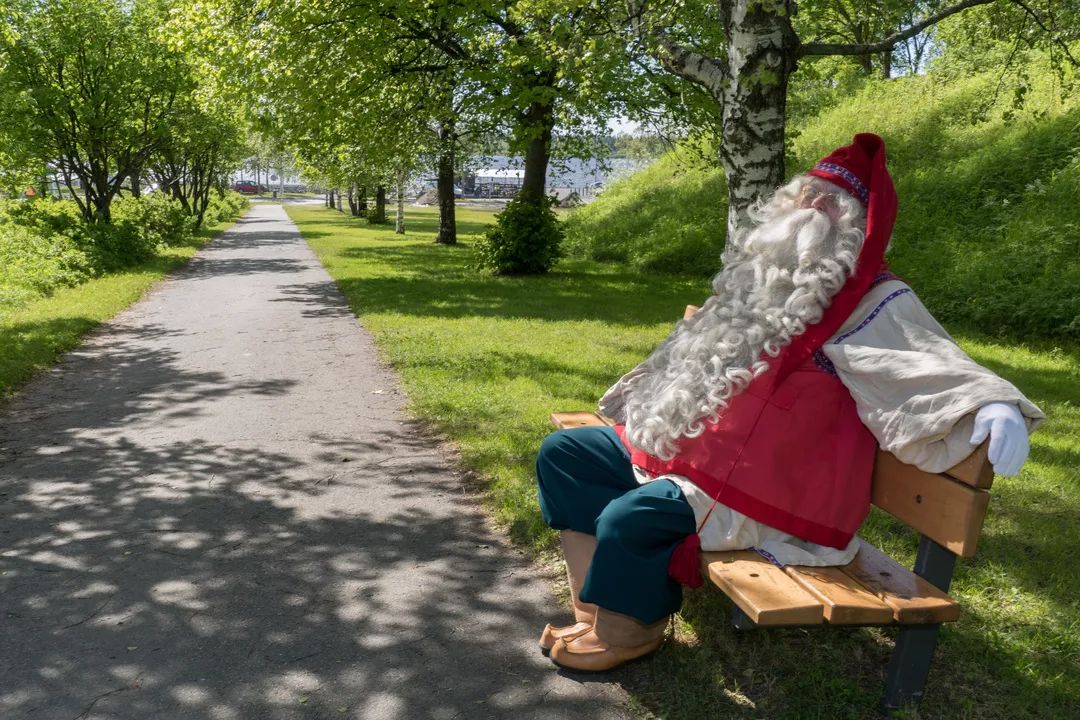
point(501, 176)
point(493, 182)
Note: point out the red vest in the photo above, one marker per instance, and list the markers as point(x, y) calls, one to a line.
point(793, 455)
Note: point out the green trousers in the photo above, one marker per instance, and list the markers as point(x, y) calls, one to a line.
point(586, 483)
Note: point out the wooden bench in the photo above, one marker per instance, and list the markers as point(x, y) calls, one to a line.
point(947, 510)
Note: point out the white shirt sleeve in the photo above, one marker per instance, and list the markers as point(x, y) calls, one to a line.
point(914, 388)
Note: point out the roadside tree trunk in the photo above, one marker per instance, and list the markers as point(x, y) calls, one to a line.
point(538, 122)
point(399, 218)
point(761, 52)
point(353, 206)
point(749, 82)
point(380, 205)
point(361, 201)
point(445, 182)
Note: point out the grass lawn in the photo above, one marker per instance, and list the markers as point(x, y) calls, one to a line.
point(34, 336)
point(485, 360)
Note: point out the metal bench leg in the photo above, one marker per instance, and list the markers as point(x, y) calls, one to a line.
point(910, 663)
point(909, 667)
point(741, 620)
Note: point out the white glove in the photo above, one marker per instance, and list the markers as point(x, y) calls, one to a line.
point(1008, 436)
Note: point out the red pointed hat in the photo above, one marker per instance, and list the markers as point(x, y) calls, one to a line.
point(860, 169)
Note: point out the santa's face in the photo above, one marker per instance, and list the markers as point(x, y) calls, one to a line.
point(799, 225)
point(821, 196)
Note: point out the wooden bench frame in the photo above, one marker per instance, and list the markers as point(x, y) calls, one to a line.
point(946, 509)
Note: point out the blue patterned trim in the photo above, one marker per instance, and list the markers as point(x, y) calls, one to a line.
point(824, 364)
point(851, 177)
point(869, 318)
point(770, 557)
point(883, 277)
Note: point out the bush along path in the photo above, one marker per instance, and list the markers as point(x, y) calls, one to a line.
point(60, 277)
point(216, 508)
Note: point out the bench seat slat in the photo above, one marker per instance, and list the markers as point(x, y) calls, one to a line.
point(914, 601)
point(944, 510)
point(762, 590)
point(564, 420)
point(845, 600)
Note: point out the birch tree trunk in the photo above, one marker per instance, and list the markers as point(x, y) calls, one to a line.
point(761, 47)
point(750, 86)
point(749, 82)
point(399, 219)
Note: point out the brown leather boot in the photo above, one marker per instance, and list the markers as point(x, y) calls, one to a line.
point(578, 549)
point(614, 640)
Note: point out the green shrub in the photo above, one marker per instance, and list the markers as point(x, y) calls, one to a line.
point(32, 264)
point(373, 216)
point(524, 240)
point(45, 243)
point(224, 207)
point(158, 220)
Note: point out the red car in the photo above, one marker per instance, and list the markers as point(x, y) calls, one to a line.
point(245, 187)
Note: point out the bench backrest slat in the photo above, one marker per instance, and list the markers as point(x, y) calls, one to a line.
point(975, 469)
point(948, 512)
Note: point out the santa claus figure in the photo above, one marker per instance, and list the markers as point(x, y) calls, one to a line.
point(755, 424)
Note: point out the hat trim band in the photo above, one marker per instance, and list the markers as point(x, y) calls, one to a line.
point(851, 178)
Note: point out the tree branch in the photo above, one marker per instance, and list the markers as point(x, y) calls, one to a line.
point(1035, 16)
point(890, 42)
point(708, 72)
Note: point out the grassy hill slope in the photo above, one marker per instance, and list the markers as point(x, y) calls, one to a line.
point(989, 223)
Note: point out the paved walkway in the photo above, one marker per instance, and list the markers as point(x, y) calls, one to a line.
point(216, 509)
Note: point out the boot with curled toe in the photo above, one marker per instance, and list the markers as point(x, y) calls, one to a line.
point(615, 639)
point(578, 549)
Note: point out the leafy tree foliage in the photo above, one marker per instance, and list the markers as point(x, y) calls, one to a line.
point(97, 86)
point(394, 80)
point(195, 156)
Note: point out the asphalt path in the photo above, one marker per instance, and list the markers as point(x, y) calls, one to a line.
point(216, 509)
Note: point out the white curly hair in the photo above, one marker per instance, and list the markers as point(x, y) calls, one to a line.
point(778, 278)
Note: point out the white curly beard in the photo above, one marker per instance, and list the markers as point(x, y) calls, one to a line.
point(778, 278)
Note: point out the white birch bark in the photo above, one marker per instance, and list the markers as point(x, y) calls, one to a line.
point(750, 87)
point(399, 220)
point(760, 45)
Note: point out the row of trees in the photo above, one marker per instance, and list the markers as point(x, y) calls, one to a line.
point(369, 90)
point(95, 94)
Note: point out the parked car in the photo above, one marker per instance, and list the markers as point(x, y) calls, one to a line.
point(246, 188)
